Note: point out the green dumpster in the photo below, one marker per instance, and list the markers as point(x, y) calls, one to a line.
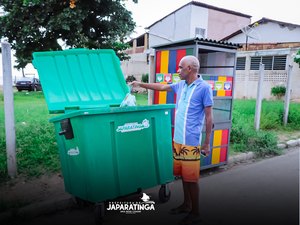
point(105, 151)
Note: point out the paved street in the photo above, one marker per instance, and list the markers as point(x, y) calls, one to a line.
point(264, 192)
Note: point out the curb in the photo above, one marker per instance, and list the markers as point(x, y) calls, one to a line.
point(39, 208)
point(241, 157)
point(66, 201)
point(290, 143)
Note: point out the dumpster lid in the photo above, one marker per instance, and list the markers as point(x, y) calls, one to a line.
point(80, 78)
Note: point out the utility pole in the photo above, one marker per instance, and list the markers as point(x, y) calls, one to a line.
point(10, 131)
point(287, 95)
point(259, 96)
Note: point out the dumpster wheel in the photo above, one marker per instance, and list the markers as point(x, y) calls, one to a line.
point(99, 213)
point(164, 193)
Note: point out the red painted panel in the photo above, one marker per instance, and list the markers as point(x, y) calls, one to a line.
point(228, 93)
point(224, 137)
point(180, 54)
point(158, 62)
point(156, 97)
point(223, 154)
point(229, 79)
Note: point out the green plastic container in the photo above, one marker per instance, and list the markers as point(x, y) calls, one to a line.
point(105, 151)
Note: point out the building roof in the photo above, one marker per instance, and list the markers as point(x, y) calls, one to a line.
point(262, 21)
point(200, 4)
point(202, 41)
point(139, 39)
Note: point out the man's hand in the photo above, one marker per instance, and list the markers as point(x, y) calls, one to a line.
point(135, 84)
point(206, 149)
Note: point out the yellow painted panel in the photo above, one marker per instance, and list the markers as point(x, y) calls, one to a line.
point(215, 159)
point(164, 62)
point(217, 138)
point(221, 93)
point(162, 96)
point(222, 78)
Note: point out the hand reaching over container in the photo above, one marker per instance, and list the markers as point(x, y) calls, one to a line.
point(152, 86)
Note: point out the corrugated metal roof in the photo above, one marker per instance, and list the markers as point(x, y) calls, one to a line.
point(203, 41)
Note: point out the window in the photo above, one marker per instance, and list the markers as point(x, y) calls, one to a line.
point(199, 32)
point(271, 62)
point(240, 63)
point(279, 62)
point(254, 64)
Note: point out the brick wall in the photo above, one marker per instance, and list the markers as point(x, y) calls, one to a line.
point(265, 46)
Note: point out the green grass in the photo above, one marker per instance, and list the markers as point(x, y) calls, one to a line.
point(141, 99)
point(35, 137)
point(271, 114)
point(263, 142)
point(37, 151)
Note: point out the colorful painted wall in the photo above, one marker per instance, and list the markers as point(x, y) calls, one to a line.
point(166, 66)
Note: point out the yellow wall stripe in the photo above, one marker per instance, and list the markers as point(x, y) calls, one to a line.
point(222, 78)
point(162, 96)
point(164, 65)
point(221, 93)
point(215, 159)
point(217, 138)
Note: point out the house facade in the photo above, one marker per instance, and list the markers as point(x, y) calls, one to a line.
point(196, 19)
point(193, 19)
point(273, 43)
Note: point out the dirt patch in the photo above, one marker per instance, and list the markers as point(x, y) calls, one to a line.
point(21, 191)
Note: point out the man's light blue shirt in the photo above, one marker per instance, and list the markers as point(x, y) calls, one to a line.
point(191, 101)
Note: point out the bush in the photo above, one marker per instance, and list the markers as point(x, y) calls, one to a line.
point(264, 143)
point(270, 120)
point(293, 117)
point(244, 138)
point(278, 91)
point(297, 58)
point(130, 79)
point(145, 78)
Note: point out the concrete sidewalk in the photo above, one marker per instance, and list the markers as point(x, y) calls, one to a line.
point(63, 200)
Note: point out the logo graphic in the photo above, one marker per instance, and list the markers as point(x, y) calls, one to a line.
point(227, 86)
point(212, 84)
point(73, 151)
point(146, 198)
point(218, 85)
point(159, 77)
point(129, 127)
point(133, 207)
point(168, 77)
point(176, 78)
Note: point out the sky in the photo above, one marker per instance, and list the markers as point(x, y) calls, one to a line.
point(146, 12)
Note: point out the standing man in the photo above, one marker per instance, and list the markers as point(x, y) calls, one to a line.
point(193, 105)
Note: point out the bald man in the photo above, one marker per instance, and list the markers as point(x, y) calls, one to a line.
point(194, 103)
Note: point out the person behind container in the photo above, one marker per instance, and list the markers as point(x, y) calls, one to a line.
point(193, 104)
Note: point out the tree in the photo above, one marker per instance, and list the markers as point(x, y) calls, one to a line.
point(297, 58)
point(42, 25)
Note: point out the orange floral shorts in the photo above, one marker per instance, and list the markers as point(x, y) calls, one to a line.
point(186, 162)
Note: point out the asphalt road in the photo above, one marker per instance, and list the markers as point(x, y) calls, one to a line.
point(264, 192)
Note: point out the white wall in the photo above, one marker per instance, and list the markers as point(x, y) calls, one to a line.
point(270, 33)
point(137, 66)
point(199, 18)
point(174, 27)
point(246, 81)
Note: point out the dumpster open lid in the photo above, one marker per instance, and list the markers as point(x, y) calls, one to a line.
point(80, 78)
